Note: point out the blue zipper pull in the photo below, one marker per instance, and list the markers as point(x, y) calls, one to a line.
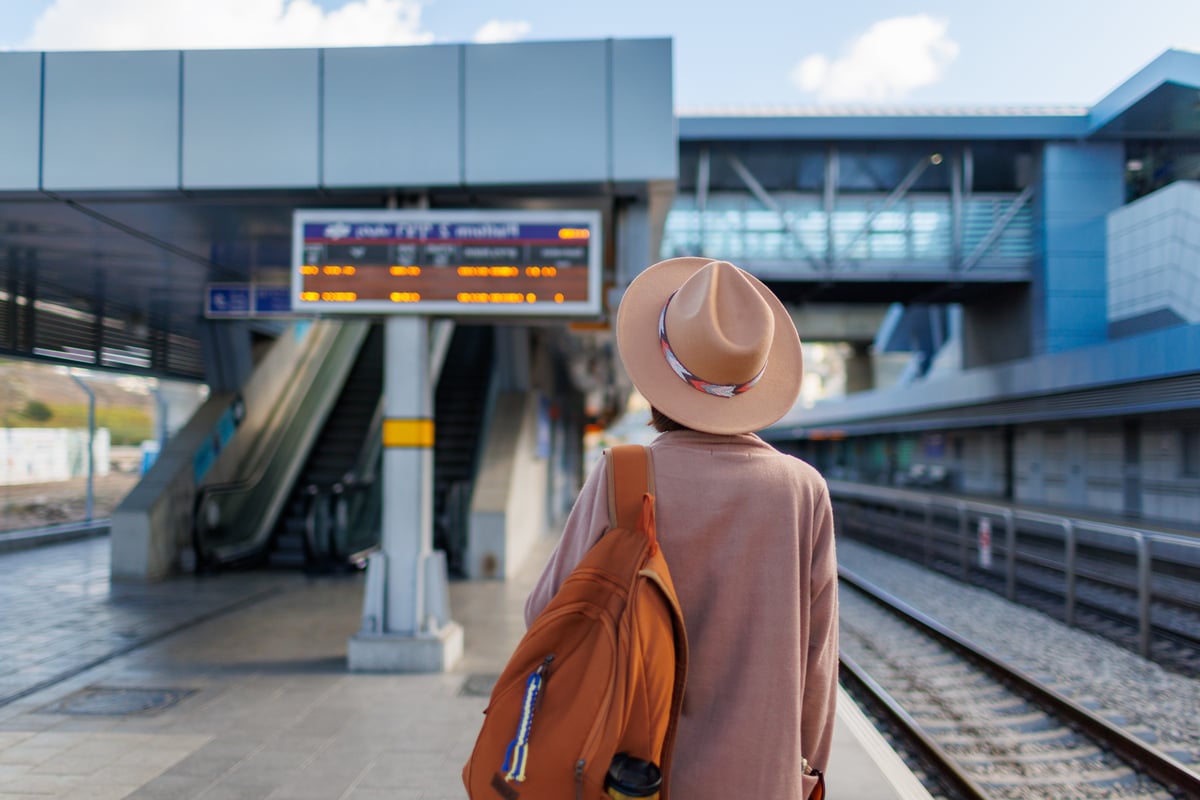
point(516, 758)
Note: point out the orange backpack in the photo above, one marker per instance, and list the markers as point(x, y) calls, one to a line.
point(600, 671)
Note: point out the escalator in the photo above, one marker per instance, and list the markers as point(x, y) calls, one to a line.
point(460, 407)
point(304, 384)
point(310, 537)
point(303, 535)
point(331, 514)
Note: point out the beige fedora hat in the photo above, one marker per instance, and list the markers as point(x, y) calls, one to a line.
point(709, 345)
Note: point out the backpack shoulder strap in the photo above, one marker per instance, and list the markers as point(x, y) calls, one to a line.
point(630, 477)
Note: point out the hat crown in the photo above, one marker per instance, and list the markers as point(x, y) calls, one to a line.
point(719, 326)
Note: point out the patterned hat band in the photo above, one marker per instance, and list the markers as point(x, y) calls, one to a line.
point(696, 382)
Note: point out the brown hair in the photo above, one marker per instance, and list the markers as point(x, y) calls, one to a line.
point(662, 423)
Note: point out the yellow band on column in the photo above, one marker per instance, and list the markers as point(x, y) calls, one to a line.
point(408, 433)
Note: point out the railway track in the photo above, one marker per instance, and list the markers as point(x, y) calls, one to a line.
point(982, 729)
point(1136, 589)
point(1111, 612)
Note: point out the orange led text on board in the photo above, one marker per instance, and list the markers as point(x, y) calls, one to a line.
point(495, 297)
point(489, 272)
point(328, 297)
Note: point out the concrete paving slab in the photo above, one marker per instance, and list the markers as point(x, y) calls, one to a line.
point(267, 707)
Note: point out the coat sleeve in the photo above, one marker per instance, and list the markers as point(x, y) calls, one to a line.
point(821, 681)
point(586, 523)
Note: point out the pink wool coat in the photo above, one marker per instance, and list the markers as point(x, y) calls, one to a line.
point(748, 535)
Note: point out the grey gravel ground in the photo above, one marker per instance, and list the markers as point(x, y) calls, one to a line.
point(1159, 706)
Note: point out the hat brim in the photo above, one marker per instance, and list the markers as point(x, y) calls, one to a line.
point(637, 339)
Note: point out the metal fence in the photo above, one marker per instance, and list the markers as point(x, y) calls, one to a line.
point(1144, 576)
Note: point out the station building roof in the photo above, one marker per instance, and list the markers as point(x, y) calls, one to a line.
point(1161, 99)
point(1158, 371)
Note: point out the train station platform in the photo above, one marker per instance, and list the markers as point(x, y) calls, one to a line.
point(236, 686)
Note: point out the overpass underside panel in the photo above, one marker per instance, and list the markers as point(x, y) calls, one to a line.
point(887, 288)
point(873, 247)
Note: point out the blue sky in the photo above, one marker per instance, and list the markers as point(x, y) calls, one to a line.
point(727, 54)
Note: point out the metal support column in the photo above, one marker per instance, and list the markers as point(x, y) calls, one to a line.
point(968, 172)
point(1070, 554)
point(832, 162)
point(406, 625)
point(91, 448)
point(957, 208)
point(1010, 555)
point(1145, 582)
point(703, 171)
point(964, 564)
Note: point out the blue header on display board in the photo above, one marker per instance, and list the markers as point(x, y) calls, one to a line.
point(429, 231)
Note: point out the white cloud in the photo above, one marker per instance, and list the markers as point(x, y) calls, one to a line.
point(193, 24)
point(500, 30)
point(892, 58)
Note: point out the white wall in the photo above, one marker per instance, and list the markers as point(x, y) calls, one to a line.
point(982, 465)
point(1027, 452)
point(1154, 255)
point(1104, 467)
point(43, 455)
point(1166, 492)
point(508, 507)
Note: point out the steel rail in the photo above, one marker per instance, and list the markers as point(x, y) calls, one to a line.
point(1166, 770)
point(948, 771)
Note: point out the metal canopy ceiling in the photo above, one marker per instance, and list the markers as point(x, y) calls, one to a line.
point(138, 266)
point(118, 280)
point(130, 180)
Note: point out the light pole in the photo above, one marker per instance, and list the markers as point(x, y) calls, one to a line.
point(91, 445)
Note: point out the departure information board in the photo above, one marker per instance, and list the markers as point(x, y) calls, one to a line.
point(496, 263)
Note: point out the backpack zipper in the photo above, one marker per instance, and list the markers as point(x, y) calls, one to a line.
point(601, 575)
point(516, 759)
point(590, 743)
point(503, 687)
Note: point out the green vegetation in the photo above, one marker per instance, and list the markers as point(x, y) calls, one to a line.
point(36, 395)
point(126, 425)
point(37, 411)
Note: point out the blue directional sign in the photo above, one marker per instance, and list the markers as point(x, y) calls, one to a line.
point(227, 300)
point(244, 300)
point(270, 300)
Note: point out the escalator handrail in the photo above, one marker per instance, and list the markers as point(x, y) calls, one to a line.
point(280, 430)
point(362, 481)
point(280, 411)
